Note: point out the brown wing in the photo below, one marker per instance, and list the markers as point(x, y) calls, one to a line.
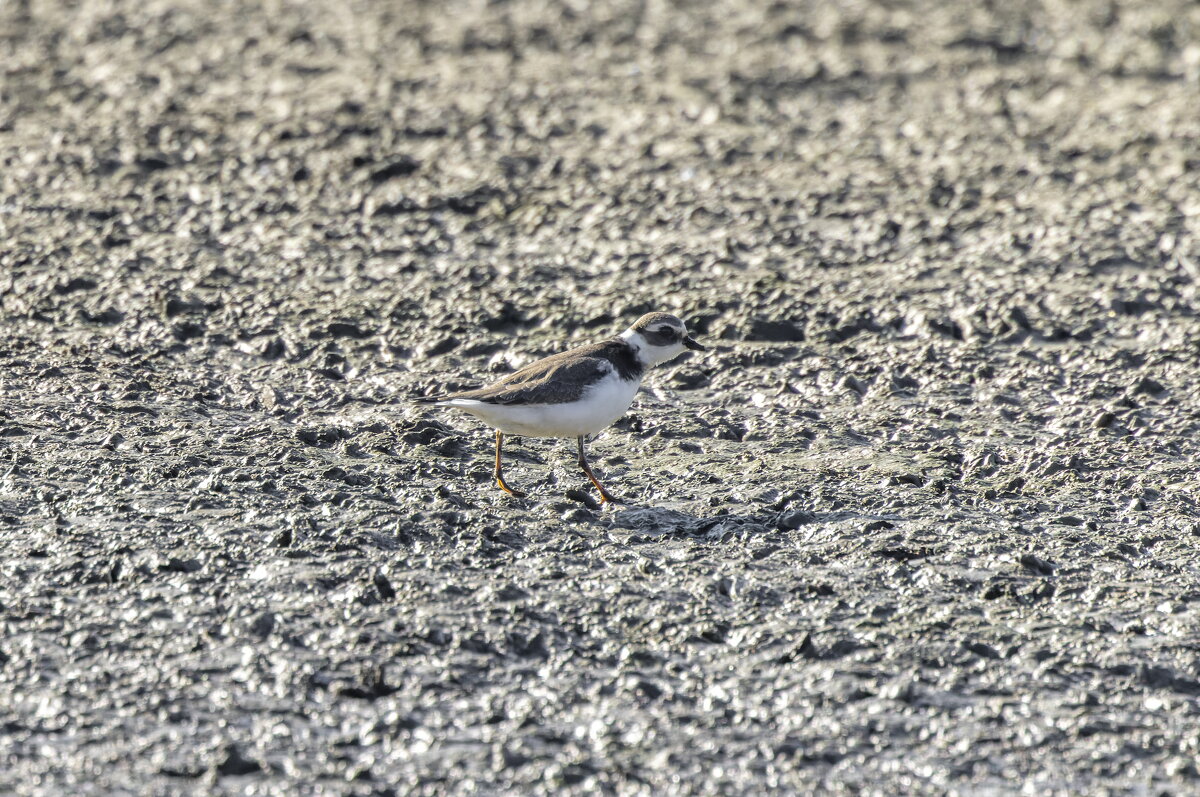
point(550, 381)
point(558, 378)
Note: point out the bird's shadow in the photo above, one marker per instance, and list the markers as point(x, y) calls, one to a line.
point(652, 521)
point(663, 522)
point(660, 521)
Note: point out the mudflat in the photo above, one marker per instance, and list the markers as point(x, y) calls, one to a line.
point(923, 520)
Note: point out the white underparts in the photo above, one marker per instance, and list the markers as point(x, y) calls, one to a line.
point(601, 405)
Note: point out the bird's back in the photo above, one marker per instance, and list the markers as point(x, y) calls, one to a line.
point(559, 378)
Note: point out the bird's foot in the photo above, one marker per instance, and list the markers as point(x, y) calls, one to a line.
point(606, 498)
point(503, 485)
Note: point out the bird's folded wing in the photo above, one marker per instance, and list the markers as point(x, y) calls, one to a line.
point(548, 381)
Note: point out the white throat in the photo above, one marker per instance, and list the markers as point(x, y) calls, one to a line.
point(649, 355)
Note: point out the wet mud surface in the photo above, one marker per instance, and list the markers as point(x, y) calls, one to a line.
point(922, 520)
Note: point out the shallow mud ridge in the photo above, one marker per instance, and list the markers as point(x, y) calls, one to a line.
point(923, 518)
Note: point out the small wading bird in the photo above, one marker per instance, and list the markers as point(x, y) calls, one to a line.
point(576, 393)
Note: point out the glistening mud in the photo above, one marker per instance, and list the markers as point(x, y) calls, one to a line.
point(923, 519)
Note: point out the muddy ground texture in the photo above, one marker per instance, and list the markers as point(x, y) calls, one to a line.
point(923, 519)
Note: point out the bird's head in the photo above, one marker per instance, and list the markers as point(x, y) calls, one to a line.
point(658, 337)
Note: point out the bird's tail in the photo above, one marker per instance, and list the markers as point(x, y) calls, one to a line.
point(427, 399)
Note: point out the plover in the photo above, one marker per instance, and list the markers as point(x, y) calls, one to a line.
point(576, 393)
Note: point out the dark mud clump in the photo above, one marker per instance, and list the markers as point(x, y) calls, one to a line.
point(923, 519)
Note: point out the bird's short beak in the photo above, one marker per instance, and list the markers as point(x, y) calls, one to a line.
point(691, 343)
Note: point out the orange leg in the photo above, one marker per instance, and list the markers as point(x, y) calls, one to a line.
point(583, 463)
point(500, 471)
